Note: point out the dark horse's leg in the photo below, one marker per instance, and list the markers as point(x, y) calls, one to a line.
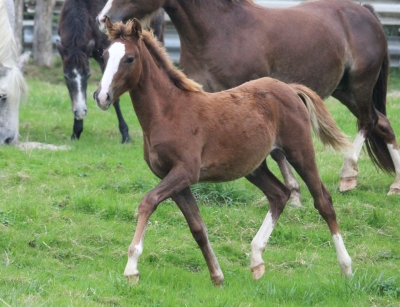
point(187, 203)
point(288, 177)
point(77, 129)
point(123, 127)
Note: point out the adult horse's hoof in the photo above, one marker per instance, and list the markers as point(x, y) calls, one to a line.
point(347, 184)
point(258, 271)
point(294, 200)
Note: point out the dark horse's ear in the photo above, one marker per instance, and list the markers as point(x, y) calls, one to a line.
point(136, 28)
point(60, 47)
point(90, 46)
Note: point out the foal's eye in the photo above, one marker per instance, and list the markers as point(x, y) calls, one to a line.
point(129, 60)
point(3, 97)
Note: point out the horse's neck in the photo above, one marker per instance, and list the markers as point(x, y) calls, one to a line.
point(154, 94)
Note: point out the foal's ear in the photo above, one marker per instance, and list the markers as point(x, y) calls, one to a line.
point(109, 24)
point(136, 28)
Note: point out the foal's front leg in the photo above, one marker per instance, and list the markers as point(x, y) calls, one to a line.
point(187, 203)
point(175, 181)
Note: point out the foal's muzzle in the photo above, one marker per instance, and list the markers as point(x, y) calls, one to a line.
point(103, 100)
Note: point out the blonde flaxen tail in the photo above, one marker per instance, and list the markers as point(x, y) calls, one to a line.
point(322, 122)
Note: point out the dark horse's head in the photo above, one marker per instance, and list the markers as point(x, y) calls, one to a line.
point(76, 73)
point(123, 10)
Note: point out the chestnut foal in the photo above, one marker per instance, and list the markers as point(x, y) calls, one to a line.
point(191, 136)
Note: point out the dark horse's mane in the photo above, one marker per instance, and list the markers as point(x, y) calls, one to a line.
point(158, 52)
point(72, 36)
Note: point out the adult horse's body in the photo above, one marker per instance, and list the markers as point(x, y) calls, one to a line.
point(80, 39)
point(192, 136)
point(336, 48)
point(12, 82)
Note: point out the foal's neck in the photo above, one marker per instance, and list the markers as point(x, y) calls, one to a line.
point(155, 94)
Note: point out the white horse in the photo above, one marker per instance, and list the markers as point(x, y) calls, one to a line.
point(12, 83)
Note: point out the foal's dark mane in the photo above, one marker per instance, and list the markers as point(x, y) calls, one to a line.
point(159, 54)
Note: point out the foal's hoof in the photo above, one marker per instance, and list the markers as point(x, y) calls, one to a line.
point(132, 279)
point(393, 191)
point(347, 184)
point(218, 281)
point(258, 271)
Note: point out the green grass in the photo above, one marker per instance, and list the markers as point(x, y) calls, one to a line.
point(67, 218)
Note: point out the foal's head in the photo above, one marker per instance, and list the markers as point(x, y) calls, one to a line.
point(76, 74)
point(123, 62)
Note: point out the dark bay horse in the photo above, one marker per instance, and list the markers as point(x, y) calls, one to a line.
point(81, 39)
point(336, 48)
point(191, 136)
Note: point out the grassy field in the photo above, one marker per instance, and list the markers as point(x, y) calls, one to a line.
point(67, 218)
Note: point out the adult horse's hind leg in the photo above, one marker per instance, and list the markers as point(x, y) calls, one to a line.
point(187, 203)
point(277, 194)
point(123, 127)
point(303, 161)
point(385, 131)
point(288, 177)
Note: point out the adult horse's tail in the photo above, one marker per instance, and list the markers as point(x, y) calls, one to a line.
point(322, 122)
point(376, 146)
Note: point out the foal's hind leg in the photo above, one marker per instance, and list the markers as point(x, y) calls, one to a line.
point(187, 203)
point(303, 161)
point(277, 194)
point(288, 177)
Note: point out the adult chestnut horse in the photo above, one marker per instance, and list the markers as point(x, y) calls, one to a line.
point(336, 48)
point(191, 136)
point(80, 38)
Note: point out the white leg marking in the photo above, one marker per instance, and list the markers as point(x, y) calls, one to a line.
point(260, 240)
point(342, 255)
point(350, 168)
point(116, 52)
point(131, 266)
point(79, 103)
point(395, 154)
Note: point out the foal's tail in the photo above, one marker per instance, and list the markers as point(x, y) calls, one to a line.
point(322, 121)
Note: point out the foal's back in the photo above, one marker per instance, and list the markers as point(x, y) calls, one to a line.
point(249, 120)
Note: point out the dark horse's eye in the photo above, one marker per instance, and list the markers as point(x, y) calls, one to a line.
point(129, 60)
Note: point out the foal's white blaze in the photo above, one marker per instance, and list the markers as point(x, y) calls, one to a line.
point(79, 103)
point(260, 240)
point(116, 52)
point(131, 266)
point(103, 13)
point(342, 255)
point(349, 168)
